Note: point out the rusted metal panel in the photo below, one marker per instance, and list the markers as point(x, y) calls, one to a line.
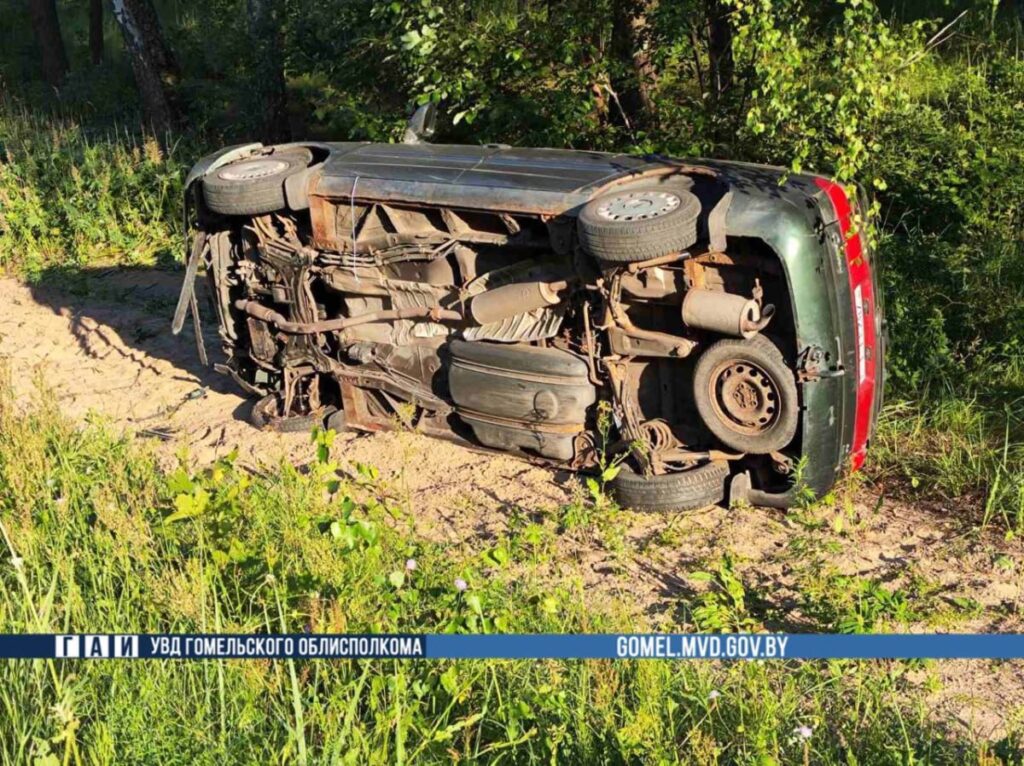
point(456, 206)
point(538, 181)
point(441, 194)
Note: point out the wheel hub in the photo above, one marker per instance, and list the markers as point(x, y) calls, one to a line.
point(638, 206)
point(250, 170)
point(745, 397)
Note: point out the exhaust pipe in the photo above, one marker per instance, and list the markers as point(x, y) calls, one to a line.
point(725, 313)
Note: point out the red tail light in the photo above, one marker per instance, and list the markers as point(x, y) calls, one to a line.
point(863, 305)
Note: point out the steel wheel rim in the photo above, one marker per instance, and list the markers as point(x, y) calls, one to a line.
point(638, 206)
point(250, 170)
point(745, 397)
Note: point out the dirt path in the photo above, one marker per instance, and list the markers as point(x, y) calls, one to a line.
point(103, 346)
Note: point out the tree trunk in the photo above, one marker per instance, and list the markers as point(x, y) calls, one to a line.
point(46, 27)
point(720, 63)
point(96, 31)
point(153, 64)
point(269, 83)
point(635, 73)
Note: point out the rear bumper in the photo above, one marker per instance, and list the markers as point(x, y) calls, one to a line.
point(863, 362)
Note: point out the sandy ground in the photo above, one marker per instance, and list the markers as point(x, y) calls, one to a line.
point(104, 346)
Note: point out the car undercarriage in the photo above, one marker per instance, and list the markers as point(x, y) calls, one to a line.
point(629, 330)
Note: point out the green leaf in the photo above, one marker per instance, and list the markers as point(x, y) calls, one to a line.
point(189, 505)
point(449, 680)
point(397, 578)
point(237, 551)
point(179, 482)
point(447, 732)
point(411, 39)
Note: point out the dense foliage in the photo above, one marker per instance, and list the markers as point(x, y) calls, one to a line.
point(920, 102)
point(921, 105)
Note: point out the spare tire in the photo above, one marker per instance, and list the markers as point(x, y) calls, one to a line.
point(254, 185)
point(631, 225)
point(684, 491)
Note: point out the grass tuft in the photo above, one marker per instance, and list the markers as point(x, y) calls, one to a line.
point(967, 452)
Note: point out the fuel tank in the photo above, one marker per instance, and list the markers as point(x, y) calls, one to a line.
point(521, 397)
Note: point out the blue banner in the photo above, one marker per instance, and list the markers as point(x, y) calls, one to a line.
point(675, 646)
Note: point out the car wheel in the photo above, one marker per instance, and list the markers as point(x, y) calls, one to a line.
point(254, 185)
point(336, 421)
point(746, 395)
point(264, 415)
point(684, 491)
point(633, 225)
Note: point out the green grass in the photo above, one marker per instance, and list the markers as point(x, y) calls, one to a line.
point(96, 538)
point(964, 451)
point(91, 543)
point(90, 540)
point(73, 197)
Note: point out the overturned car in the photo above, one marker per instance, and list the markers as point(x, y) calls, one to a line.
point(714, 329)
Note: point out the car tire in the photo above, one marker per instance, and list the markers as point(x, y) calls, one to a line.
point(337, 421)
point(631, 225)
point(684, 491)
point(254, 185)
point(746, 395)
point(264, 417)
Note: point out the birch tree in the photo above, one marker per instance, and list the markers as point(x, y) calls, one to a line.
point(153, 64)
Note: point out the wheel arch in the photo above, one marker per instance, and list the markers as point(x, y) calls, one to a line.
point(296, 188)
point(788, 222)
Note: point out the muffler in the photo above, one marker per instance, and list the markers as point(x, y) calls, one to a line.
point(514, 299)
point(725, 313)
